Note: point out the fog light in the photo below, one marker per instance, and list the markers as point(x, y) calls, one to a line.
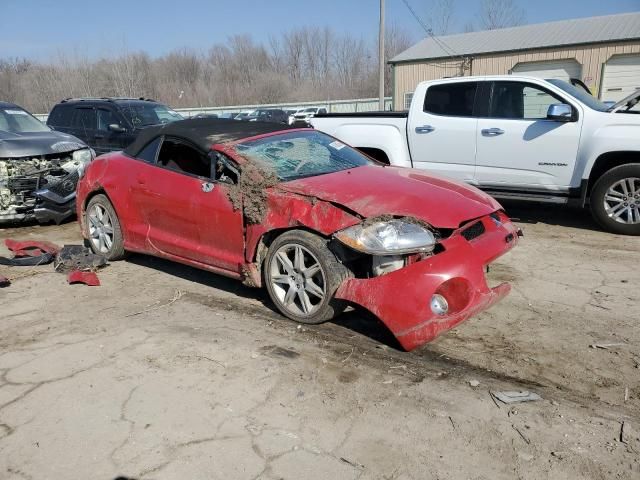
point(439, 305)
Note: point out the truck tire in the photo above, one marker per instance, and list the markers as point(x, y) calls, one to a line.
point(615, 200)
point(302, 275)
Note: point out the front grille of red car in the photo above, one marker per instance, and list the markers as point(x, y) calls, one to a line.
point(474, 231)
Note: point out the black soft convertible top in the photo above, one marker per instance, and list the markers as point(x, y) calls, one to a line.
point(204, 132)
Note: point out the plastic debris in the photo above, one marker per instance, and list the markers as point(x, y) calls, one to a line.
point(29, 253)
point(605, 346)
point(78, 257)
point(88, 278)
point(516, 397)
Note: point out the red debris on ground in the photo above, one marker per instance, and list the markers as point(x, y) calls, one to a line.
point(87, 278)
point(31, 248)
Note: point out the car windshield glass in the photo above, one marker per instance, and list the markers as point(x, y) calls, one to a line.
point(16, 120)
point(301, 154)
point(310, 110)
point(144, 114)
point(580, 94)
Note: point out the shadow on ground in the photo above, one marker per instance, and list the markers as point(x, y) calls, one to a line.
point(551, 214)
point(355, 319)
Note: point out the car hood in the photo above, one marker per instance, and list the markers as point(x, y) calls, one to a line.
point(371, 191)
point(16, 145)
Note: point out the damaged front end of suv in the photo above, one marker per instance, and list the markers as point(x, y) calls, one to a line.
point(39, 169)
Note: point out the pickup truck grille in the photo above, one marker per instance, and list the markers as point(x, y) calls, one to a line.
point(474, 231)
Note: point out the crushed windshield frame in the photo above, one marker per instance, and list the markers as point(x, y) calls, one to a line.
point(254, 151)
point(579, 94)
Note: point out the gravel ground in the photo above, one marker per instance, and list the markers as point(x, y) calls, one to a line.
point(166, 372)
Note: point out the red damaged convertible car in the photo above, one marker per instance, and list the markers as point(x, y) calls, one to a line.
point(317, 223)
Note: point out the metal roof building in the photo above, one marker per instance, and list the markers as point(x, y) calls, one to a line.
point(602, 51)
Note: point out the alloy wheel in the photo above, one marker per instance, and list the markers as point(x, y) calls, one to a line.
point(100, 229)
point(297, 279)
point(622, 201)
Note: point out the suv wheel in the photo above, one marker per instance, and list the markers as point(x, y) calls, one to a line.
point(615, 200)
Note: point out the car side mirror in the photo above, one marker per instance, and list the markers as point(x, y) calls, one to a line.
point(114, 127)
point(560, 112)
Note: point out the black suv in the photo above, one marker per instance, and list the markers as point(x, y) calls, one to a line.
point(108, 124)
point(272, 115)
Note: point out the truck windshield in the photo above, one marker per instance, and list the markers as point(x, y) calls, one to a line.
point(301, 154)
point(580, 94)
point(16, 120)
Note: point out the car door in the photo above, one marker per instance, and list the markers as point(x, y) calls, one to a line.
point(83, 124)
point(188, 214)
point(109, 130)
point(442, 130)
point(517, 146)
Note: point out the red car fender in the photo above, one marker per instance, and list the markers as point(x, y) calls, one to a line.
point(401, 299)
point(287, 211)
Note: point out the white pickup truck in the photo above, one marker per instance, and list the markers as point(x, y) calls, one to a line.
point(515, 137)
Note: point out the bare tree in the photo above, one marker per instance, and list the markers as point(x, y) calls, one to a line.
point(397, 40)
point(469, 27)
point(440, 16)
point(304, 64)
point(496, 14)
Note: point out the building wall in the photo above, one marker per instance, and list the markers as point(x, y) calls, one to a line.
point(591, 57)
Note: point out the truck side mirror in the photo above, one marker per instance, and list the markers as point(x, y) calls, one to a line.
point(560, 112)
point(114, 127)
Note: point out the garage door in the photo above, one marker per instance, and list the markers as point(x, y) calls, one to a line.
point(561, 69)
point(621, 77)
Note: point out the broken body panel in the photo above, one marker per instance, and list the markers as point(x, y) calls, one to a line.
point(170, 215)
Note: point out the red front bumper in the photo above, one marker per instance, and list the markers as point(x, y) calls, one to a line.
point(401, 299)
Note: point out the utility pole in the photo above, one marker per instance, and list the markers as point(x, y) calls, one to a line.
point(381, 56)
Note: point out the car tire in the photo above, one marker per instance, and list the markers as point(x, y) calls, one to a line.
point(615, 200)
point(103, 228)
point(302, 275)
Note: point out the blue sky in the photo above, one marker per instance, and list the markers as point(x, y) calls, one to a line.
point(38, 29)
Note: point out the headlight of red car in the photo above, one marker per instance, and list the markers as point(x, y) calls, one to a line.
point(388, 237)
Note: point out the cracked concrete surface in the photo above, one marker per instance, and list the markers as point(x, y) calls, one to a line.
point(218, 385)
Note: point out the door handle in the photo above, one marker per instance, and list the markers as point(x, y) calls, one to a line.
point(492, 132)
point(425, 129)
point(141, 180)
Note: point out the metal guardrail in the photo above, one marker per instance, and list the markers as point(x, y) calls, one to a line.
point(332, 106)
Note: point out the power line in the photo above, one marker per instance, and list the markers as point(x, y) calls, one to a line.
point(429, 32)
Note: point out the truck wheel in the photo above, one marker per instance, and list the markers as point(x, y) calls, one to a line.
point(615, 200)
point(103, 228)
point(302, 276)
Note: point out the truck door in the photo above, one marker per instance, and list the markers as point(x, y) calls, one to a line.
point(442, 129)
point(518, 146)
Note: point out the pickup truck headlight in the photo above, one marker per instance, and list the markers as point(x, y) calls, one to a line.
point(390, 237)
